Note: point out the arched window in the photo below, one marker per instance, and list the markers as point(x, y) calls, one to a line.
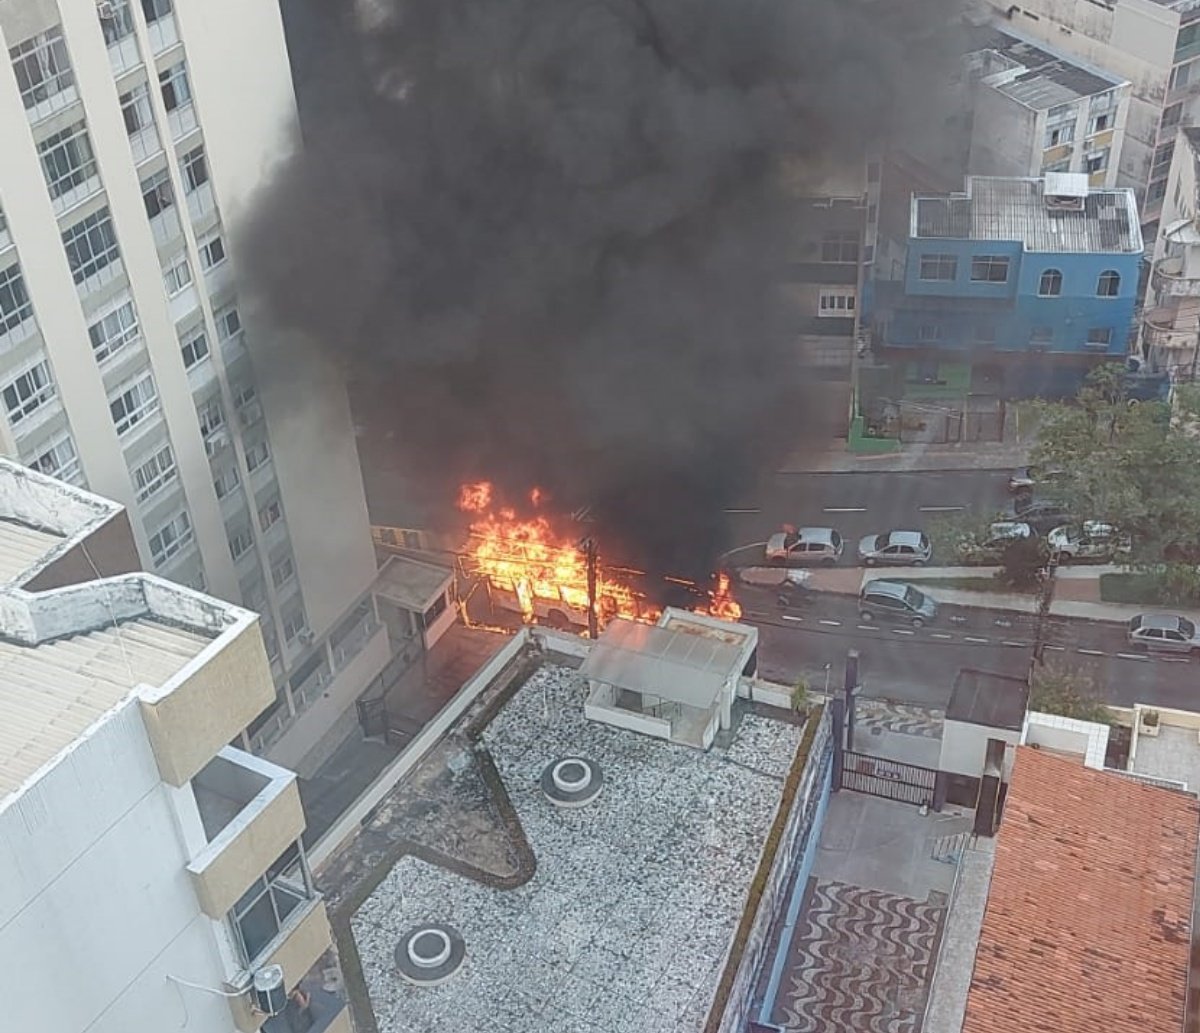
point(1050, 285)
point(1109, 284)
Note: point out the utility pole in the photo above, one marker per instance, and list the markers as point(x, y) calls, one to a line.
point(1045, 598)
point(589, 552)
point(849, 687)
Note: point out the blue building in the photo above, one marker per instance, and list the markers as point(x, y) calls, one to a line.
point(1029, 282)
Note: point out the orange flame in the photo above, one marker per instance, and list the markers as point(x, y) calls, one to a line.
point(546, 572)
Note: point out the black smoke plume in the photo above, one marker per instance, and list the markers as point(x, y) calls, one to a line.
point(549, 240)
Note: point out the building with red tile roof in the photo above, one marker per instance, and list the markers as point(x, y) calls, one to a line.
point(1088, 924)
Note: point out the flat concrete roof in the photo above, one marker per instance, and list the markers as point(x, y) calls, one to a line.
point(50, 694)
point(991, 700)
point(412, 584)
point(677, 665)
point(625, 924)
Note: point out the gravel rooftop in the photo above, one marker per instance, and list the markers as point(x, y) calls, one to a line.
point(625, 925)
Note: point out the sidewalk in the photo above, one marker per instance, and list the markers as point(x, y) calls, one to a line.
point(911, 458)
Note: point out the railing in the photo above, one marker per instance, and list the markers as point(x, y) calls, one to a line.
point(1168, 280)
point(1162, 332)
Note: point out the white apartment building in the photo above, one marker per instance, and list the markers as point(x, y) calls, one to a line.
point(1037, 111)
point(1155, 45)
point(1170, 332)
point(148, 870)
point(135, 132)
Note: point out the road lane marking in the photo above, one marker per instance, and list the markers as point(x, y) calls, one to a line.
point(789, 617)
point(940, 509)
point(968, 638)
point(832, 624)
point(902, 631)
point(1057, 649)
point(940, 634)
point(758, 613)
point(1133, 656)
point(1002, 623)
point(872, 627)
point(1090, 652)
point(844, 509)
point(1021, 644)
point(1173, 659)
point(743, 511)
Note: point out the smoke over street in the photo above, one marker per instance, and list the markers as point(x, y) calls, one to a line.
point(549, 235)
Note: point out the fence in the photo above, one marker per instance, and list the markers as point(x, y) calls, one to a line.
point(890, 779)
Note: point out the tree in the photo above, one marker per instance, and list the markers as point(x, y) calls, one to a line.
point(1126, 464)
point(1056, 690)
point(1024, 563)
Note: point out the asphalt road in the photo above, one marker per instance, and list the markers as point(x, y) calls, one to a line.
point(919, 665)
point(857, 504)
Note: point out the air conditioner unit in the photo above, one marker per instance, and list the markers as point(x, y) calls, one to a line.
point(305, 635)
point(105, 10)
point(215, 442)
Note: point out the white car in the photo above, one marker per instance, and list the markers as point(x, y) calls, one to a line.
point(1089, 541)
point(1163, 631)
point(895, 549)
point(1000, 535)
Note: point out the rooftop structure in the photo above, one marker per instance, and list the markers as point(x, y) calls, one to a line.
point(627, 920)
point(1037, 77)
point(1088, 922)
point(1025, 210)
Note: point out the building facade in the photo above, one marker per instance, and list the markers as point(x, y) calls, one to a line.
point(1154, 45)
point(136, 132)
point(1029, 281)
point(1037, 111)
point(139, 851)
point(1171, 313)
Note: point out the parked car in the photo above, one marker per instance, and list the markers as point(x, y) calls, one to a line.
point(990, 549)
point(1041, 514)
point(1163, 631)
point(895, 549)
point(1090, 541)
point(805, 546)
point(1025, 478)
point(895, 600)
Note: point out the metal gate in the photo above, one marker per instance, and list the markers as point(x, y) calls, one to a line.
point(891, 779)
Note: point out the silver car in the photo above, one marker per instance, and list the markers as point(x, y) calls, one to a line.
point(805, 547)
point(895, 549)
point(1163, 631)
point(895, 600)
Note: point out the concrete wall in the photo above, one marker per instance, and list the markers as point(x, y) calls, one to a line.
point(1006, 137)
point(111, 549)
point(96, 909)
point(964, 747)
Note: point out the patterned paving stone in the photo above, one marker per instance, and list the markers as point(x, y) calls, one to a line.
point(861, 962)
point(899, 717)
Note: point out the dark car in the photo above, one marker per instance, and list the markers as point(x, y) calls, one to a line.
point(1041, 514)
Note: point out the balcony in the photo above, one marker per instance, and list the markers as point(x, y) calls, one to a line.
point(182, 120)
point(144, 143)
point(1169, 281)
point(165, 227)
point(1170, 329)
point(200, 201)
point(123, 54)
point(251, 813)
point(162, 32)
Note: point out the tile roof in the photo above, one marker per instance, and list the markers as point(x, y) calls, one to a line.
point(1088, 920)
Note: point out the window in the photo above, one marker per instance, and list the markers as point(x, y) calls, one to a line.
point(270, 514)
point(177, 274)
point(245, 401)
point(1100, 123)
point(157, 194)
point(69, 165)
point(176, 90)
point(59, 460)
point(116, 21)
point(44, 74)
point(1057, 166)
point(1062, 111)
point(138, 114)
point(225, 481)
point(229, 323)
point(1050, 284)
point(1097, 161)
point(156, 9)
point(1061, 134)
point(211, 416)
point(257, 454)
point(194, 346)
point(1099, 337)
point(240, 543)
point(1181, 75)
point(115, 329)
point(195, 170)
point(1041, 336)
point(15, 306)
point(28, 391)
point(989, 269)
point(294, 621)
point(840, 246)
point(91, 245)
point(1109, 284)
point(212, 250)
point(264, 908)
point(1155, 192)
point(836, 303)
point(155, 473)
point(929, 332)
point(132, 404)
point(168, 540)
point(1172, 115)
point(282, 570)
point(939, 267)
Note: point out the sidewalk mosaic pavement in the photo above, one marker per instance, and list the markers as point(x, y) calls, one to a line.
point(875, 716)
